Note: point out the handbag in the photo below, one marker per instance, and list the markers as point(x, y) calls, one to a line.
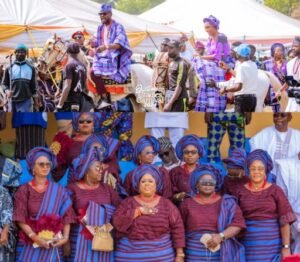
point(10, 172)
point(102, 240)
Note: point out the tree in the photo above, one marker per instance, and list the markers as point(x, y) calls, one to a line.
point(136, 6)
point(284, 6)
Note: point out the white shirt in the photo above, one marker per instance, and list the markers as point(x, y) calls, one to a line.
point(247, 74)
point(266, 139)
point(166, 119)
point(292, 105)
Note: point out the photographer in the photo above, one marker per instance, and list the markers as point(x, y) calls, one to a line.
point(293, 78)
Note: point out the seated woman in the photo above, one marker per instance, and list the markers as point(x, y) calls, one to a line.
point(267, 211)
point(42, 210)
point(110, 161)
point(149, 227)
point(209, 214)
point(146, 148)
point(189, 149)
point(68, 149)
point(94, 204)
point(7, 241)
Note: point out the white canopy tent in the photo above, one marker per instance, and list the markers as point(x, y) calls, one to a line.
point(144, 35)
point(31, 22)
point(240, 19)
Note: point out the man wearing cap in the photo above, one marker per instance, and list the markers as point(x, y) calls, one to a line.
point(176, 99)
point(20, 83)
point(112, 58)
point(74, 83)
point(78, 37)
point(293, 69)
point(245, 83)
point(167, 154)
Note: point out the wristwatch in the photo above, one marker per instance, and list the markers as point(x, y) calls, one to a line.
point(286, 246)
point(222, 236)
point(180, 255)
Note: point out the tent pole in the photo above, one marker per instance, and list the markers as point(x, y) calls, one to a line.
point(152, 41)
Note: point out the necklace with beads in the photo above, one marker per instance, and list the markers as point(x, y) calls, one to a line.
point(207, 201)
point(253, 188)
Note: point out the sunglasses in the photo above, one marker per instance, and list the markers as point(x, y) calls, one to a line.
point(281, 115)
point(78, 37)
point(161, 155)
point(44, 164)
point(87, 121)
point(207, 182)
point(150, 153)
point(103, 14)
point(192, 152)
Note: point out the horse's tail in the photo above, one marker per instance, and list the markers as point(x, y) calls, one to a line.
point(275, 83)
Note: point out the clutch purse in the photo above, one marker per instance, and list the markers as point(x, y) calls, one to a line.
point(102, 240)
point(204, 239)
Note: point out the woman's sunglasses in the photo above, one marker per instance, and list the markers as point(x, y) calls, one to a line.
point(208, 183)
point(87, 121)
point(44, 164)
point(161, 155)
point(187, 152)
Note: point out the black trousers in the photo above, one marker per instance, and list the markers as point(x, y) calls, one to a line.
point(245, 103)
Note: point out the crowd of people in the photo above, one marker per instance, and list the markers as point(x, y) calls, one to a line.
point(176, 204)
point(207, 78)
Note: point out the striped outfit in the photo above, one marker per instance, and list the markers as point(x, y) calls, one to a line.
point(55, 201)
point(265, 211)
point(218, 216)
point(209, 99)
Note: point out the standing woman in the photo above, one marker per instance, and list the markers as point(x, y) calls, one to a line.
point(7, 245)
point(149, 227)
point(41, 206)
point(146, 148)
point(210, 214)
point(189, 149)
point(277, 66)
point(84, 125)
point(94, 200)
point(267, 211)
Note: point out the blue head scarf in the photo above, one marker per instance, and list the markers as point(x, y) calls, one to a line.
point(141, 170)
point(262, 156)
point(143, 142)
point(274, 46)
point(84, 161)
point(93, 139)
point(36, 152)
point(236, 159)
point(186, 141)
point(205, 170)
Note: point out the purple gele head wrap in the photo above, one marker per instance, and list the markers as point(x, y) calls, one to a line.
point(212, 21)
point(37, 152)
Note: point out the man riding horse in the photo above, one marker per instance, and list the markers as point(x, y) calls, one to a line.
point(112, 58)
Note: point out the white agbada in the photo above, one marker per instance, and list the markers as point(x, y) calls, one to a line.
point(288, 178)
point(292, 105)
point(279, 145)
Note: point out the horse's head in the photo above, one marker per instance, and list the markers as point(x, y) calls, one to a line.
point(54, 54)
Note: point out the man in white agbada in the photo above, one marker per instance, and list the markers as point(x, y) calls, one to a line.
point(293, 69)
point(288, 178)
point(280, 141)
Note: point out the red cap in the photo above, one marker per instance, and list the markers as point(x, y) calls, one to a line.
point(77, 33)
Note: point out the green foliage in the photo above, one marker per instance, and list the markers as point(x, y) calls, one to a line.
point(136, 6)
point(284, 6)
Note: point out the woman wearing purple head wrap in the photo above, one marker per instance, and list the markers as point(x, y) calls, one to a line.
point(146, 148)
point(267, 211)
point(84, 125)
point(149, 227)
point(39, 206)
point(93, 201)
point(277, 65)
point(236, 165)
point(217, 48)
point(216, 230)
point(189, 149)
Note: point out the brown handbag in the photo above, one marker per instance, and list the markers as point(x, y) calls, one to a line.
point(103, 240)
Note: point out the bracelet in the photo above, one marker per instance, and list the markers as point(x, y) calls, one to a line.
point(286, 246)
point(180, 255)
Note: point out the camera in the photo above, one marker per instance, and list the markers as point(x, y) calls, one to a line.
point(294, 88)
